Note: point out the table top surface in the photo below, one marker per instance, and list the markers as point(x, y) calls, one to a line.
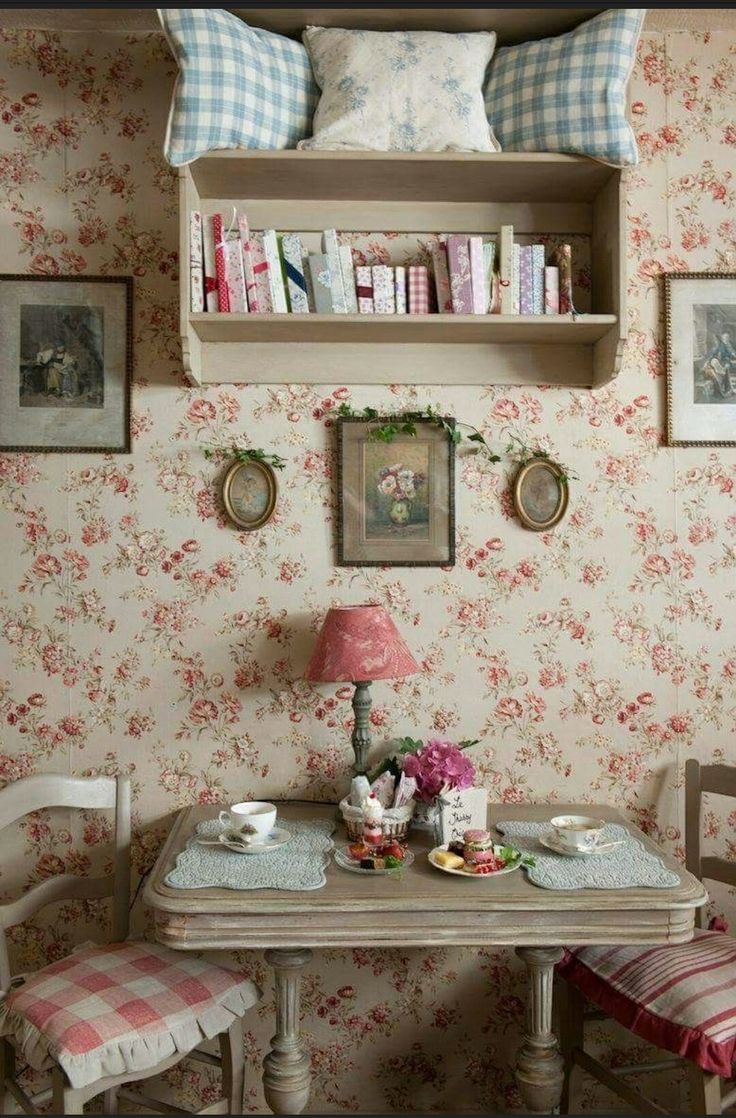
point(421, 887)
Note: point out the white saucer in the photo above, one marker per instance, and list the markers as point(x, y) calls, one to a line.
point(552, 842)
point(276, 839)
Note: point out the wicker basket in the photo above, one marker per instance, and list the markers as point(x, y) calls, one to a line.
point(396, 821)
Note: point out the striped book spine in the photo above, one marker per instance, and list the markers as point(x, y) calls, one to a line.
point(293, 256)
point(442, 277)
point(537, 279)
point(477, 275)
point(526, 295)
point(218, 232)
point(196, 271)
point(348, 278)
point(364, 289)
point(275, 278)
point(331, 249)
point(506, 269)
point(400, 289)
point(551, 289)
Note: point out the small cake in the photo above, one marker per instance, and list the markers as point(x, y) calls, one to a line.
point(478, 848)
point(457, 846)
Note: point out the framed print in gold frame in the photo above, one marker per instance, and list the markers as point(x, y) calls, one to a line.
point(700, 313)
point(249, 494)
point(396, 500)
point(540, 494)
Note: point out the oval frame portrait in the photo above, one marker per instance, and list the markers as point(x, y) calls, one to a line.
point(522, 479)
point(273, 490)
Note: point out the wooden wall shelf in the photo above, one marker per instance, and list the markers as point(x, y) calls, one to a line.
point(447, 192)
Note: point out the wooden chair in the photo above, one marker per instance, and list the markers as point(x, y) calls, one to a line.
point(157, 967)
point(706, 1092)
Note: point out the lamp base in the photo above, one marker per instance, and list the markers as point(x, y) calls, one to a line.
point(361, 730)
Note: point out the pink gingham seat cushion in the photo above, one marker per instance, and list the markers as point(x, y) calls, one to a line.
point(681, 997)
point(121, 1007)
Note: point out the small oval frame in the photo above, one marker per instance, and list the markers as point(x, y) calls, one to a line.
point(273, 490)
point(562, 489)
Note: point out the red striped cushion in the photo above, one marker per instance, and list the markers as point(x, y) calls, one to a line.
point(681, 997)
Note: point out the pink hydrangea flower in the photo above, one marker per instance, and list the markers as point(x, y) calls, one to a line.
point(437, 766)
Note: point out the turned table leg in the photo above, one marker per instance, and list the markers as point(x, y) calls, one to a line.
point(539, 1065)
point(286, 1071)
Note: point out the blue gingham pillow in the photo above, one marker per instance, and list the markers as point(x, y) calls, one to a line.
point(568, 93)
point(238, 86)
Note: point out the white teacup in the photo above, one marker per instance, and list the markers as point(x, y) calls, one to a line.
point(578, 831)
point(252, 820)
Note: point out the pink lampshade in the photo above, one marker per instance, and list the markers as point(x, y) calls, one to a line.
point(359, 643)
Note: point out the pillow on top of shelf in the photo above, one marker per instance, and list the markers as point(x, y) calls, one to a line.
point(238, 86)
point(399, 90)
point(568, 93)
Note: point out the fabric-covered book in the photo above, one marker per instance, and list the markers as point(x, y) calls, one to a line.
point(400, 289)
point(364, 289)
point(564, 263)
point(196, 271)
point(477, 275)
point(321, 282)
point(458, 263)
point(348, 278)
point(384, 298)
point(331, 249)
point(275, 276)
point(293, 257)
point(442, 277)
point(506, 269)
point(551, 289)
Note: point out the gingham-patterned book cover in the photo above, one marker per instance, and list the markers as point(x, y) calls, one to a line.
point(196, 271)
point(364, 289)
point(418, 287)
point(458, 262)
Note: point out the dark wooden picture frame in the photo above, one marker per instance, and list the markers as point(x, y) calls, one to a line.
point(66, 392)
point(700, 385)
point(375, 477)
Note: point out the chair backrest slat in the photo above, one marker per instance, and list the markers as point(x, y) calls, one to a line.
point(47, 790)
point(718, 779)
point(63, 887)
point(34, 793)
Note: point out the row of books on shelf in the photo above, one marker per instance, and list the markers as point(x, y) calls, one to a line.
point(236, 269)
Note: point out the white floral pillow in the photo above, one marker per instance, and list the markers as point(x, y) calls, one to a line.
point(399, 90)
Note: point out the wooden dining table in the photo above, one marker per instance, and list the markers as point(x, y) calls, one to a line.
point(429, 909)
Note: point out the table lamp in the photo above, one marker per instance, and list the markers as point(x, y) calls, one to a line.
point(359, 644)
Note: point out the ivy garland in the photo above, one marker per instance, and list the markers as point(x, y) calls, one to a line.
point(246, 454)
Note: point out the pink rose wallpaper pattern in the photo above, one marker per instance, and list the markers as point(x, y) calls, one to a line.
point(141, 633)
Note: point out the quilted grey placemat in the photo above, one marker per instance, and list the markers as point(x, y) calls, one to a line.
point(298, 864)
point(630, 866)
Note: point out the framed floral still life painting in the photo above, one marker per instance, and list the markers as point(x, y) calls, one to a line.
point(701, 358)
point(65, 363)
point(396, 500)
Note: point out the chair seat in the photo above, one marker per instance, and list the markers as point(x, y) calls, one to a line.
point(119, 1008)
point(681, 997)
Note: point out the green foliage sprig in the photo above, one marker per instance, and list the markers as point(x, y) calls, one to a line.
point(521, 453)
point(246, 454)
point(406, 424)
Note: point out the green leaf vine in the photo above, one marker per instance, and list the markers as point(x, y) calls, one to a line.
point(246, 454)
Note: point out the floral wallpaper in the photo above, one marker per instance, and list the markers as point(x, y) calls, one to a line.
point(140, 633)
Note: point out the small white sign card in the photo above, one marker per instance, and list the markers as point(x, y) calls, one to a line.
point(463, 810)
